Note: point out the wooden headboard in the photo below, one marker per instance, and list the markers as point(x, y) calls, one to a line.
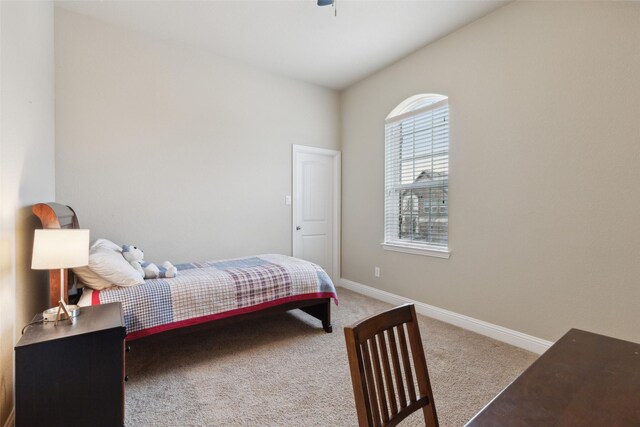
point(55, 215)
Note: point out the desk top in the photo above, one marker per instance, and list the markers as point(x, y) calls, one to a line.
point(584, 379)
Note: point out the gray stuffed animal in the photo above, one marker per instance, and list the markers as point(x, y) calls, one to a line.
point(148, 270)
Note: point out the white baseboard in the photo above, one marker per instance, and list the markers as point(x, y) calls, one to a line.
point(11, 421)
point(499, 333)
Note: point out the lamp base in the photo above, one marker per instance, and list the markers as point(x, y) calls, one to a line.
point(50, 314)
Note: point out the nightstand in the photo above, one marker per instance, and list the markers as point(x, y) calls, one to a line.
point(72, 374)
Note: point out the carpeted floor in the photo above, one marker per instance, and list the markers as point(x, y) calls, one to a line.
point(284, 370)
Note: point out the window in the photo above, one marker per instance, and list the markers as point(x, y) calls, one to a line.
point(416, 216)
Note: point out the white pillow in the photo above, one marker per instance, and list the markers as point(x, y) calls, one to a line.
point(91, 279)
point(104, 243)
point(106, 260)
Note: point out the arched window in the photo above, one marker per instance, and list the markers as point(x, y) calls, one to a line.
point(416, 216)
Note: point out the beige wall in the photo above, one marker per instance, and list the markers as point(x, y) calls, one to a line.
point(164, 146)
point(178, 151)
point(545, 150)
point(27, 169)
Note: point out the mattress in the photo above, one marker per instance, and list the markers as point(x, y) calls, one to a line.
point(213, 290)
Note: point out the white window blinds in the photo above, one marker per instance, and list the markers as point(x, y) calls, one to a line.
point(417, 174)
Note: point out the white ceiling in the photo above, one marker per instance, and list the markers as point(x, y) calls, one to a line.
point(296, 38)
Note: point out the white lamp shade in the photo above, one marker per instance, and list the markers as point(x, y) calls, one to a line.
point(54, 248)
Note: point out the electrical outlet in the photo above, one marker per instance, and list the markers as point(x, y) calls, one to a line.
point(376, 271)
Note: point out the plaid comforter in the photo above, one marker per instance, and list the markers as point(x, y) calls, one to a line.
point(212, 290)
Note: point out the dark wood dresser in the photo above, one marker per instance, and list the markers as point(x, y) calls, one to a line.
point(72, 374)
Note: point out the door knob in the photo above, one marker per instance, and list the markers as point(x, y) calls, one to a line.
point(298, 228)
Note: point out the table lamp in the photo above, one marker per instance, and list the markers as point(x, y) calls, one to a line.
point(58, 248)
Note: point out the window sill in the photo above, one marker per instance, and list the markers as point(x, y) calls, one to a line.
point(417, 249)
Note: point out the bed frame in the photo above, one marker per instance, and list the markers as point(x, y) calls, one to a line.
point(55, 215)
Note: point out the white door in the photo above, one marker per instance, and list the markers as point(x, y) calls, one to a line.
point(316, 207)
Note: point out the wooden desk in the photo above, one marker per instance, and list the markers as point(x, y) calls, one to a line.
point(584, 379)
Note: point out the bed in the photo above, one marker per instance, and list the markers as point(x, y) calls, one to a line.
point(204, 292)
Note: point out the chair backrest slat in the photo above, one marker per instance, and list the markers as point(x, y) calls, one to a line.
point(370, 384)
point(383, 369)
point(395, 361)
point(382, 395)
point(388, 378)
point(411, 388)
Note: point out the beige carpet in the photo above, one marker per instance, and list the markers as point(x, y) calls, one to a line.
point(284, 370)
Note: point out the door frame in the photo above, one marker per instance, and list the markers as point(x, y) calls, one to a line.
point(337, 197)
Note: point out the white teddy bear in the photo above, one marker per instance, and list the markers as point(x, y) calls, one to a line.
point(148, 270)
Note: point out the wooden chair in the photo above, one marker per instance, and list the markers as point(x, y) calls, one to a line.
point(382, 373)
